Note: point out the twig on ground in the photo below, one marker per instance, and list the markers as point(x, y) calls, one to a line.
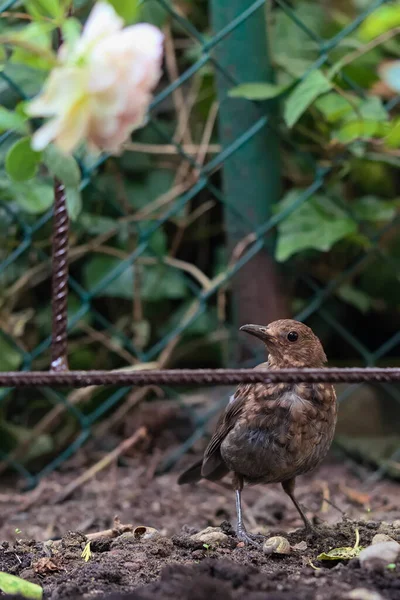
point(139, 435)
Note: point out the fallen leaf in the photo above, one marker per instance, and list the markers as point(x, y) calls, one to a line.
point(355, 496)
point(45, 565)
point(344, 553)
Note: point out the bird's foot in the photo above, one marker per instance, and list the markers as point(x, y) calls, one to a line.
point(251, 539)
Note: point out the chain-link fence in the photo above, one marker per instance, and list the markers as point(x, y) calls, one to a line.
point(262, 187)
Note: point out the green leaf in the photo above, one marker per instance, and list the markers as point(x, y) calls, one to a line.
point(371, 108)
point(317, 224)
point(371, 208)
point(11, 121)
point(98, 267)
point(153, 12)
point(71, 30)
point(303, 95)
point(257, 91)
point(127, 9)
point(35, 198)
point(10, 357)
point(74, 202)
point(157, 243)
point(383, 19)
point(392, 139)
point(39, 36)
point(63, 167)
point(357, 298)
point(41, 445)
point(370, 120)
point(364, 130)
point(203, 324)
point(21, 161)
point(43, 8)
point(334, 106)
point(96, 224)
point(156, 282)
point(160, 282)
point(345, 553)
point(10, 584)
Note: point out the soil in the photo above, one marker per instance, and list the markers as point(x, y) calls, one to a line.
point(173, 565)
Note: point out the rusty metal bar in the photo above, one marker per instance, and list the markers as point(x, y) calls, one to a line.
point(59, 293)
point(195, 376)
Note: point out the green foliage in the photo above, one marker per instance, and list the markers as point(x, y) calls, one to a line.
point(21, 161)
point(65, 168)
point(10, 357)
point(44, 8)
point(384, 19)
point(154, 283)
point(127, 9)
point(10, 584)
point(257, 91)
point(36, 52)
point(317, 224)
point(304, 94)
point(11, 121)
point(33, 197)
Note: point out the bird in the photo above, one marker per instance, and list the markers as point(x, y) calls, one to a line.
point(272, 432)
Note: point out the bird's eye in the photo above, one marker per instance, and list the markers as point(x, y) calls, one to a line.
point(292, 336)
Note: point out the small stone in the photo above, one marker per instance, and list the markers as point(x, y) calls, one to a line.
point(211, 536)
point(301, 546)
point(381, 537)
point(396, 524)
point(363, 594)
point(378, 556)
point(146, 533)
point(197, 554)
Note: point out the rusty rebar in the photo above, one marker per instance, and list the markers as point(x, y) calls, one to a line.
point(59, 294)
point(195, 376)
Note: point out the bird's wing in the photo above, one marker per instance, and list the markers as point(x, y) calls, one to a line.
point(212, 456)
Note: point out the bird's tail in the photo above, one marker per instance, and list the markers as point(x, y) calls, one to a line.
point(192, 474)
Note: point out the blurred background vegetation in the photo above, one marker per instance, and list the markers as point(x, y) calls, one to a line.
point(338, 253)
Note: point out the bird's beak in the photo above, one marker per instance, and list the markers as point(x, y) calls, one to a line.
point(258, 331)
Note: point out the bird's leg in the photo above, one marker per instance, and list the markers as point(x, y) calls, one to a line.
point(241, 532)
point(288, 487)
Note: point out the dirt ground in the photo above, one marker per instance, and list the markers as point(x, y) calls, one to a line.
point(174, 566)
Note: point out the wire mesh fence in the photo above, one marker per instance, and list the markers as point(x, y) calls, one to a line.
point(259, 189)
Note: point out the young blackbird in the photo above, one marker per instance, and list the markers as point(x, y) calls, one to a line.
point(270, 433)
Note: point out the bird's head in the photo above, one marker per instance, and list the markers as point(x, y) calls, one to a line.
point(290, 344)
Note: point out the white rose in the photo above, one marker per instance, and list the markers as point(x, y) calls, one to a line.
point(101, 91)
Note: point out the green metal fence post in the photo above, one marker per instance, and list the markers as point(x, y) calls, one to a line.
point(251, 175)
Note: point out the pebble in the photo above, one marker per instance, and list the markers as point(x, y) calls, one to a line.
point(381, 537)
point(363, 594)
point(211, 536)
point(146, 533)
point(378, 556)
